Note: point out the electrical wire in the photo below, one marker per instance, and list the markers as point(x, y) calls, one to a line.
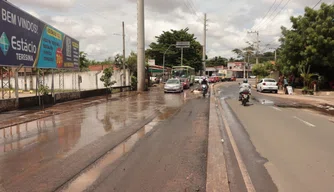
point(263, 19)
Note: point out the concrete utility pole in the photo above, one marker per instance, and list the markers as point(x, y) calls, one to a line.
point(274, 53)
point(181, 56)
point(204, 45)
point(141, 46)
point(163, 62)
point(124, 60)
point(257, 45)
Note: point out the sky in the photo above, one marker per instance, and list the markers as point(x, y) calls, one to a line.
point(97, 24)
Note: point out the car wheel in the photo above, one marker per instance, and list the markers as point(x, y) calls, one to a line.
point(276, 91)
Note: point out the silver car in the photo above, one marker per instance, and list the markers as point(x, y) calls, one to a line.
point(173, 86)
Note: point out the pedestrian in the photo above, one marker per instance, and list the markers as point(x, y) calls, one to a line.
point(286, 84)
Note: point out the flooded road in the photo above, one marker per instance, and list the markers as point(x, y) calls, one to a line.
point(46, 153)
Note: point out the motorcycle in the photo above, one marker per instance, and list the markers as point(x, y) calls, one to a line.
point(204, 89)
point(245, 97)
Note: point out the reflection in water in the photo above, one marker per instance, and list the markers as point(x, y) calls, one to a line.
point(27, 148)
point(90, 176)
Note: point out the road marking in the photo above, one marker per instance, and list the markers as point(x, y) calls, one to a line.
point(276, 108)
point(245, 175)
point(307, 123)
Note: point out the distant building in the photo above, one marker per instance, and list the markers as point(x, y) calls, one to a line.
point(213, 70)
point(238, 69)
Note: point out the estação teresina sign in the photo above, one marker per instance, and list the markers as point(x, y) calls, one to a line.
point(29, 41)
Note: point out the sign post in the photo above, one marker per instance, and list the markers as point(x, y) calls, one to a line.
point(182, 45)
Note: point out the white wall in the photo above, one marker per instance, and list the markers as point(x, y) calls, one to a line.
point(89, 79)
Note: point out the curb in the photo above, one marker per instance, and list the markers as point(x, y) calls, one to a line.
point(216, 177)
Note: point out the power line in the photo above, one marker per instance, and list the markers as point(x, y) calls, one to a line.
point(316, 4)
point(271, 14)
point(281, 9)
point(191, 9)
point(263, 19)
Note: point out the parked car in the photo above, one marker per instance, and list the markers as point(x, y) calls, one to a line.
point(198, 79)
point(212, 79)
point(267, 84)
point(233, 78)
point(173, 86)
point(185, 82)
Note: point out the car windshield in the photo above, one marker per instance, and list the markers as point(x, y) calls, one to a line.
point(173, 81)
point(270, 80)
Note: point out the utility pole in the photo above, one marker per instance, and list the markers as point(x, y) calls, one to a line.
point(124, 81)
point(181, 56)
point(257, 45)
point(204, 45)
point(141, 46)
point(275, 52)
point(163, 62)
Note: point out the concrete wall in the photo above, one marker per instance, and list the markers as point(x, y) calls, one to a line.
point(26, 102)
point(7, 105)
point(90, 80)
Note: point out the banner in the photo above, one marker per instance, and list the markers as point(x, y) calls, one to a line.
point(28, 41)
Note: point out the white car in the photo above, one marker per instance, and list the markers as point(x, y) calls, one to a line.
point(173, 86)
point(267, 84)
point(198, 79)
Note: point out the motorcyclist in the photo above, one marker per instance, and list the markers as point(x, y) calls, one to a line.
point(244, 86)
point(205, 82)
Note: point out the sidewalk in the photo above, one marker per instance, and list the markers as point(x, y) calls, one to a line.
point(310, 99)
point(11, 118)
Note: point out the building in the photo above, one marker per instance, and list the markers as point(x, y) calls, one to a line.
point(213, 70)
point(238, 69)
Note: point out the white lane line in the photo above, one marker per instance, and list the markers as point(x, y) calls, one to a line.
point(305, 122)
point(276, 108)
point(245, 175)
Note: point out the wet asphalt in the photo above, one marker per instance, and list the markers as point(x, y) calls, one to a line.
point(48, 154)
point(170, 158)
point(284, 149)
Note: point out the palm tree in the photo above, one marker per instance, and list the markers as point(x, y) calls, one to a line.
point(306, 75)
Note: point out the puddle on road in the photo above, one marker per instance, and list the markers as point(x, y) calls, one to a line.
point(266, 102)
point(86, 179)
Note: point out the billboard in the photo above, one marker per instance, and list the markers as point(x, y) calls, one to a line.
point(31, 42)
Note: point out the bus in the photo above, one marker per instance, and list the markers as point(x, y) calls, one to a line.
point(184, 72)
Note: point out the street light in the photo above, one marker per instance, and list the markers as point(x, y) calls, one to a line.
point(163, 62)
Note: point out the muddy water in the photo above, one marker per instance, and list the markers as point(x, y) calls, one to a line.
point(26, 147)
point(91, 175)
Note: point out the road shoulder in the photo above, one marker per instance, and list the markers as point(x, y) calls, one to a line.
point(216, 167)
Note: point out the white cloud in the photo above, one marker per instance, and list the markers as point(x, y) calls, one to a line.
point(95, 23)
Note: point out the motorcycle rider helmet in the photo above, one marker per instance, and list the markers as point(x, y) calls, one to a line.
point(245, 81)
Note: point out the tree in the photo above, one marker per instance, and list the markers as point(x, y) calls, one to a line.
point(243, 54)
point(191, 56)
point(217, 61)
point(84, 63)
point(263, 70)
point(118, 60)
point(132, 63)
point(106, 79)
point(306, 75)
point(310, 41)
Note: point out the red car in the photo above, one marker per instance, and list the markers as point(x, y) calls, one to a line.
point(213, 79)
point(233, 78)
point(185, 82)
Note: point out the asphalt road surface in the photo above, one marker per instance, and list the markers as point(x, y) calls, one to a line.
point(151, 141)
point(171, 158)
point(283, 149)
